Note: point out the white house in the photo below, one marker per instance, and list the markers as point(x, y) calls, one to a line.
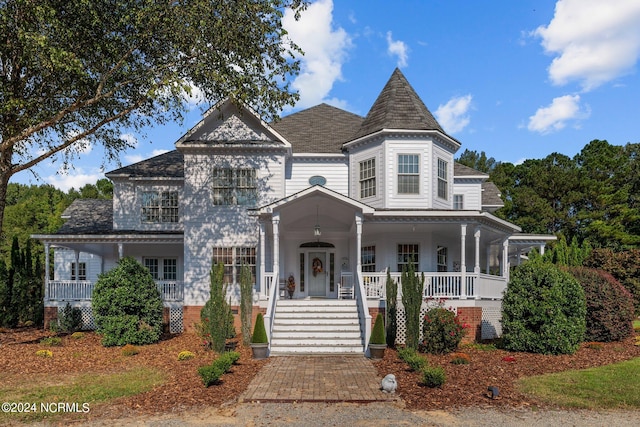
point(325, 197)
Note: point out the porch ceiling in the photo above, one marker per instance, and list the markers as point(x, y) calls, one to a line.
point(317, 208)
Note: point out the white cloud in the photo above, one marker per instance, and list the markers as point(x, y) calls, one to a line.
point(557, 114)
point(397, 48)
point(594, 41)
point(134, 158)
point(130, 139)
point(453, 116)
point(325, 49)
point(66, 180)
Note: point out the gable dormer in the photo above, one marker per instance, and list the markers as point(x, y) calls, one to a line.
point(400, 157)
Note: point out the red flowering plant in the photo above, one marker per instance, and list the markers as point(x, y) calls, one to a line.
point(441, 331)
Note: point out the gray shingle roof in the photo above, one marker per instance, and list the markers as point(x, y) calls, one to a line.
point(398, 107)
point(461, 170)
point(491, 194)
point(169, 164)
point(88, 216)
point(319, 129)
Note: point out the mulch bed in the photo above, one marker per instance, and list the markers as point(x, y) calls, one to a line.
point(466, 385)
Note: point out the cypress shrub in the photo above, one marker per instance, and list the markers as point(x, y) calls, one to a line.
point(126, 305)
point(609, 306)
point(391, 310)
point(216, 315)
point(543, 310)
point(412, 288)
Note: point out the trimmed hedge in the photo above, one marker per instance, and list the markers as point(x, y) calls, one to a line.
point(543, 310)
point(609, 305)
point(126, 305)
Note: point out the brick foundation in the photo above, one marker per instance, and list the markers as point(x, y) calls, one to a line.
point(191, 316)
point(50, 313)
point(373, 311)
point(471, 316)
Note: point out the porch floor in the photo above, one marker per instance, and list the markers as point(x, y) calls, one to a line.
point(325, 378)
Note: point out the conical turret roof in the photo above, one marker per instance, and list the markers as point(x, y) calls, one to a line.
point(398, 107)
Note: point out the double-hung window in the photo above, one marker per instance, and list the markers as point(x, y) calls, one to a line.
point(443, 182)
point(458, 202)
point(162, 268)
point(82, 271)
point(233, 258)
point(235, 186)
point(368, 178)
point(442, 258)
point(160, 206)
point(368, 258)
point(408, 174)
point(408, 253)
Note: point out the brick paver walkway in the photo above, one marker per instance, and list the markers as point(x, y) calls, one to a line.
point(316, 379)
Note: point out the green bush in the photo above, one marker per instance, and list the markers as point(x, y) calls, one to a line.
point(623, 265)
point(126, 304)
point(391, 310)
point(377, 334)
point(543, 310)
point(441, 331)
point(433, 376)
point(227, 359)
point(609, 306)
point(216, 315)
point(411, 357)
point(70, 319)
point(259, 332)
point(210, 374)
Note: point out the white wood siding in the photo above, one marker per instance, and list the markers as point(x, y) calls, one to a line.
point(395, 147)
point(375, 152)
point(472, 193)
point(299, 170)
point(207, 226)
point(440, 153)
point(63, 258)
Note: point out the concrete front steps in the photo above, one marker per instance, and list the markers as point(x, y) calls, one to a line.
point(316, 326)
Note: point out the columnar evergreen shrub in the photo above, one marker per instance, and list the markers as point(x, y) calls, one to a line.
point(246, 303)
point(412, 289)
point(441, 331)
point(216, 315)
point(126, 304)
point(543, 310)
point(609, 306)
point(391, 310)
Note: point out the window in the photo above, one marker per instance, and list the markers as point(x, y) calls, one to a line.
point(234, 187)
point(162, 268)
point(82, 271)
point(408, 174)
point(458, 202)
point(368, 178)
point(443, 184)
point(442, 258)
point(408, 253)
point(233, 258)
point(160, 206)
point(368, 259)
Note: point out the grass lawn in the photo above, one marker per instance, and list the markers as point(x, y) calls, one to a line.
point(613, 386)
point(86, 388)
point(636, 324)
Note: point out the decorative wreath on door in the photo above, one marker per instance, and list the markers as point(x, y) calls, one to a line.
point(317, 266)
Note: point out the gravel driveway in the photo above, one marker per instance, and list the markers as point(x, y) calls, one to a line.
point(377, 414)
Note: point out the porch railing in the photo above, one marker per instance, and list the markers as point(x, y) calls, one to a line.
point(71, 290)
point(440, 285)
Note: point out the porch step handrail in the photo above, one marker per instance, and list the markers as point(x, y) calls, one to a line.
point(363, 310)
point(271, 307)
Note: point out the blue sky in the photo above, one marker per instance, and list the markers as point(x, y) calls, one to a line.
point(516, 79)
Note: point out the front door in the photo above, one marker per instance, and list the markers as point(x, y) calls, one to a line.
point(318, 274)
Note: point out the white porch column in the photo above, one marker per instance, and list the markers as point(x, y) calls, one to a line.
point(463, 261)
point(263, 288)
point(120, 251)
point(46, 271)
point(505, 259)
point(358, 244)
point(275, 222)
point(542, 246)
point(519, 256)
point(476, 235)
point(488, 269)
